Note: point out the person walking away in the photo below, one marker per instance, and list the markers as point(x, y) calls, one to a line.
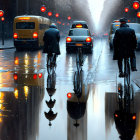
point(125, 44)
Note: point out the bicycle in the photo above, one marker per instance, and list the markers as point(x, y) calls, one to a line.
point(78, 83)
point(126, 91)
point(51, 63)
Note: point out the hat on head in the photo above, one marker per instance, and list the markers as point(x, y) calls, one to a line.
point(123, 19)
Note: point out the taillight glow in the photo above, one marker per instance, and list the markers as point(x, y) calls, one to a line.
point(35, 35)
point(15, 77)
point(40, 75)
point(34, 76)
point(116, 115)
point(69, 95)
point(68, 39)
point(15, 36)
point(134, 117)
point(88, 39)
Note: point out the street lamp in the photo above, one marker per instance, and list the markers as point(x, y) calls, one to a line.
point(43, 8)
point(57, 14)
point(136, 5)
point(126, 10)
point(1, 13)
point(69, 17)
point(138, 14)
point(49, 14)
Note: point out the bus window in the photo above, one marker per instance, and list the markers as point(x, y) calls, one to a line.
point(25, 25)
point(43, 26)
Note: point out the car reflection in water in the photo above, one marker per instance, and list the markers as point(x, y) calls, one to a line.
point(125, 120)
point(76, 108)
point(19, 107)
point(51, 82)
point(123, 116)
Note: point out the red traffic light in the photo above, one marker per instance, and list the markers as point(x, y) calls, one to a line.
point(49, 14)
point(138, 14)
point(69, 17)
point(43, 9)
point(57, 15)
point(1, 13)
point(136, 5)
point(2, 18)
point(126, 10)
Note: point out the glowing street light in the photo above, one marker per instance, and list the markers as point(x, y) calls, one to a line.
point(43, 8)
point(138, 14)
point(136, 5)
point(49, 14)
point(69, 17)
point(126, 10)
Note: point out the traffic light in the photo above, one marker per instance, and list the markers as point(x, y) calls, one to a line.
point(136, 5)
point(126, 10)
point(43, 8)
point(138, 14)
point(57, 15)
point(49, 14)
point(1, 13)
point(2, 18)
point(69, 17)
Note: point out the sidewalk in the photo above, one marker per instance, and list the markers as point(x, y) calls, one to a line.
point(8, 44)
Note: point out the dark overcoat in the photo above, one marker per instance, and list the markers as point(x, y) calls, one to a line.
point(124, 42)
point(51, 40)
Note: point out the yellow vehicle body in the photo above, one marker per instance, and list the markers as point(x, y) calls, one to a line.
point(28, 31)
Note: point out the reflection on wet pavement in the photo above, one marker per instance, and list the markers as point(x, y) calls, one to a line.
point(35, 105)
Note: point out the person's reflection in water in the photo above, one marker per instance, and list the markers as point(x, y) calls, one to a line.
point(76, 108)
point(125, 122)
point(51, 82)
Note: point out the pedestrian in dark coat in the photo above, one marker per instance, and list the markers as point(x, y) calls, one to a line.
point(124, 43)
point(51, 40)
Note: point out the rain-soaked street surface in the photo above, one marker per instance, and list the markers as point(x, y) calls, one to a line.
point(34, 106)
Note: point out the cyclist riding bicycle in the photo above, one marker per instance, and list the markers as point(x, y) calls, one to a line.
point(51, 42)
point(124, 43)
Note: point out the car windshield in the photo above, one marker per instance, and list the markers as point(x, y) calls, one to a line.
point(78, 32)
point(25, 25)
point(134, 26)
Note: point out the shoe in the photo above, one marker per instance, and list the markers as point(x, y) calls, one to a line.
point(121, 74)
point(134, 69)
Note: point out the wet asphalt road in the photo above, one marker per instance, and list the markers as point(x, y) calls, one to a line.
point(34, 106)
